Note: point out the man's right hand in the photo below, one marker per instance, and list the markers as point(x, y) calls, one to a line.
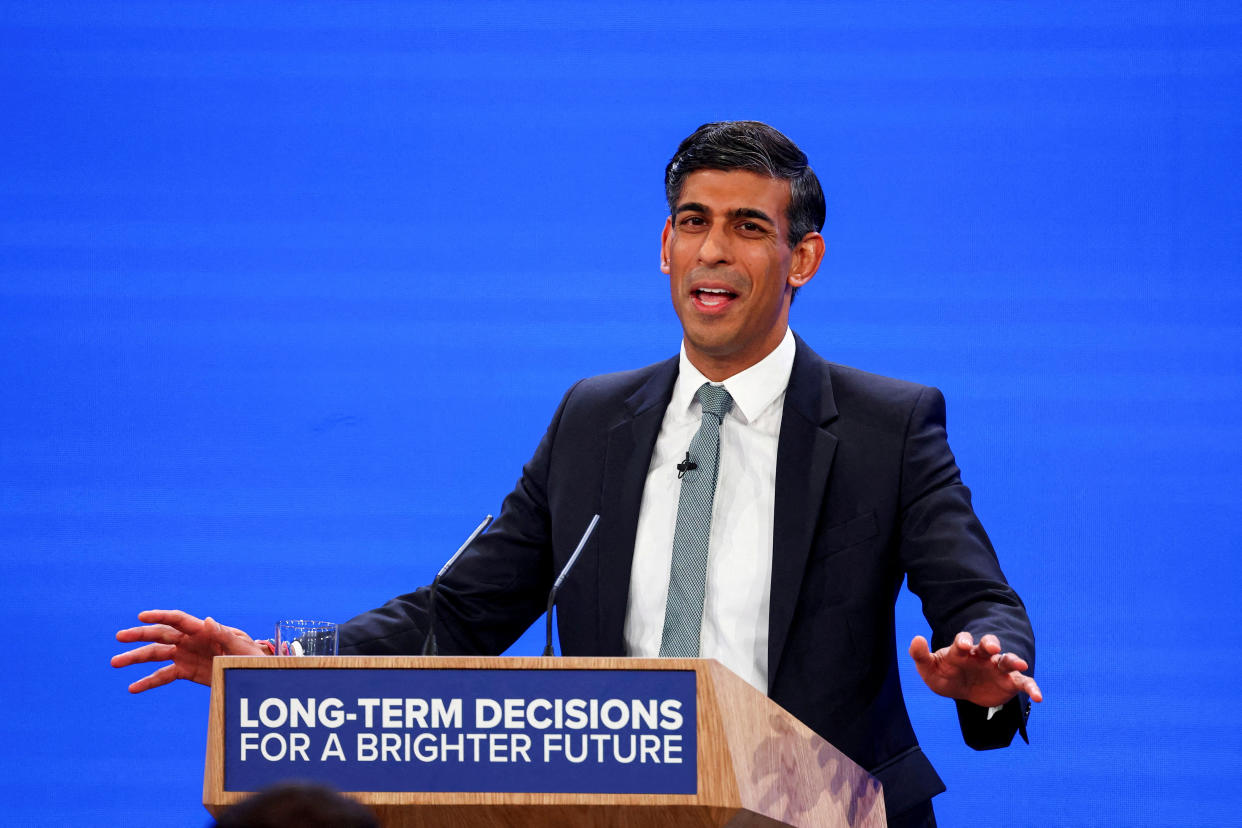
point(189, 643)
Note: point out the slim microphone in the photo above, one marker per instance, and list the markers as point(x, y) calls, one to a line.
point(547, 650)
point(685, 466)
point(429, 645)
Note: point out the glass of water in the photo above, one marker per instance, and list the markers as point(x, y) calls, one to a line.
point(299, 637)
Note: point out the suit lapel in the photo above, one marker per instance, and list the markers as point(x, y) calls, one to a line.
point(803, 460)
point(627, 458)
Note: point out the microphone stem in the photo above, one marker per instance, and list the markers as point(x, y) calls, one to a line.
point(547, 650)
point(429, 643)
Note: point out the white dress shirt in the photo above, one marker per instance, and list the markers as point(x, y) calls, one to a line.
point(739, 564)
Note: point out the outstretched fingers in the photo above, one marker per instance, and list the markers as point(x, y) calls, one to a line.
point(1009, 663)
point(1027, 685)
point(980, 672)
point(165, 675)
point(1011, 666)
point(162, 626)
point(176, 619)
point(142, 655)
point(156, 633)
point(921, 652)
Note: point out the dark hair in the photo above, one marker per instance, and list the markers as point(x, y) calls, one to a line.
point(754, 146)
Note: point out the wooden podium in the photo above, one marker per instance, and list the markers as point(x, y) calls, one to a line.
point(756, 764)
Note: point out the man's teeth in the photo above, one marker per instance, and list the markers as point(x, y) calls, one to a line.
point(714, 296)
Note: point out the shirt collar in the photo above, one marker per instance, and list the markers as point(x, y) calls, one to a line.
point(753, 389)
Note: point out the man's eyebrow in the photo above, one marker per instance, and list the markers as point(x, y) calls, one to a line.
point(751, 212)
point(740, 212)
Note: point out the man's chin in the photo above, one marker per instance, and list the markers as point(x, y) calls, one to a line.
point(716, 348)
point(710, 337)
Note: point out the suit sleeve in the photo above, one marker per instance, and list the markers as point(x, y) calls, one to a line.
point(951, 565)
point(491, 595)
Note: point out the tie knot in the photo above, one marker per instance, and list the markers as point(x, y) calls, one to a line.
point(715, 400)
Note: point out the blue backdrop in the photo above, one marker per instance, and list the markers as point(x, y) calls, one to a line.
point(289, 292)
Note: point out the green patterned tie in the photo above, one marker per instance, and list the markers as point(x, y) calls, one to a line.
point(683, 611)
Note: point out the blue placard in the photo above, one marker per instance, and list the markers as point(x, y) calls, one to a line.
point(447, 730)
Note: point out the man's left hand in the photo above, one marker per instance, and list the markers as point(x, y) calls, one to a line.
point(979, 673)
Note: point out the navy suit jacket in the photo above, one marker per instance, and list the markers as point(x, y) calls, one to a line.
point(867, 493)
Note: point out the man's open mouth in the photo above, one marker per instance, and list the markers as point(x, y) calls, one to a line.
point(713, 297)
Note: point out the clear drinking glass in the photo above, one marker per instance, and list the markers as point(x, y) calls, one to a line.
point(299, 637)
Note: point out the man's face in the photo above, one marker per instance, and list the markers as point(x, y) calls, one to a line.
point(730, 267)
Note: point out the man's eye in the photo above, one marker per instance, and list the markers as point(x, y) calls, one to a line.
point(693, 221)
point(750, 227)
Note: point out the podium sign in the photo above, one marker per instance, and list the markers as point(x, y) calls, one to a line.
point(544, 731)
point(456, 742)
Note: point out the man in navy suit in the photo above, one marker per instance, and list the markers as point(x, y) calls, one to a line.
point(833, 486)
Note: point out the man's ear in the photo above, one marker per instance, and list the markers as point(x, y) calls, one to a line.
point(807, 254)
point(666, 246)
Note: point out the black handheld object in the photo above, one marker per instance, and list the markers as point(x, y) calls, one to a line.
point(429, 645)
point(547, 650)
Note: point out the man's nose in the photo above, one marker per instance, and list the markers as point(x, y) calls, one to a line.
point(716, 247)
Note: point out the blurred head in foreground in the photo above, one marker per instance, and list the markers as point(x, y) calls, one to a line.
point(297, 805)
